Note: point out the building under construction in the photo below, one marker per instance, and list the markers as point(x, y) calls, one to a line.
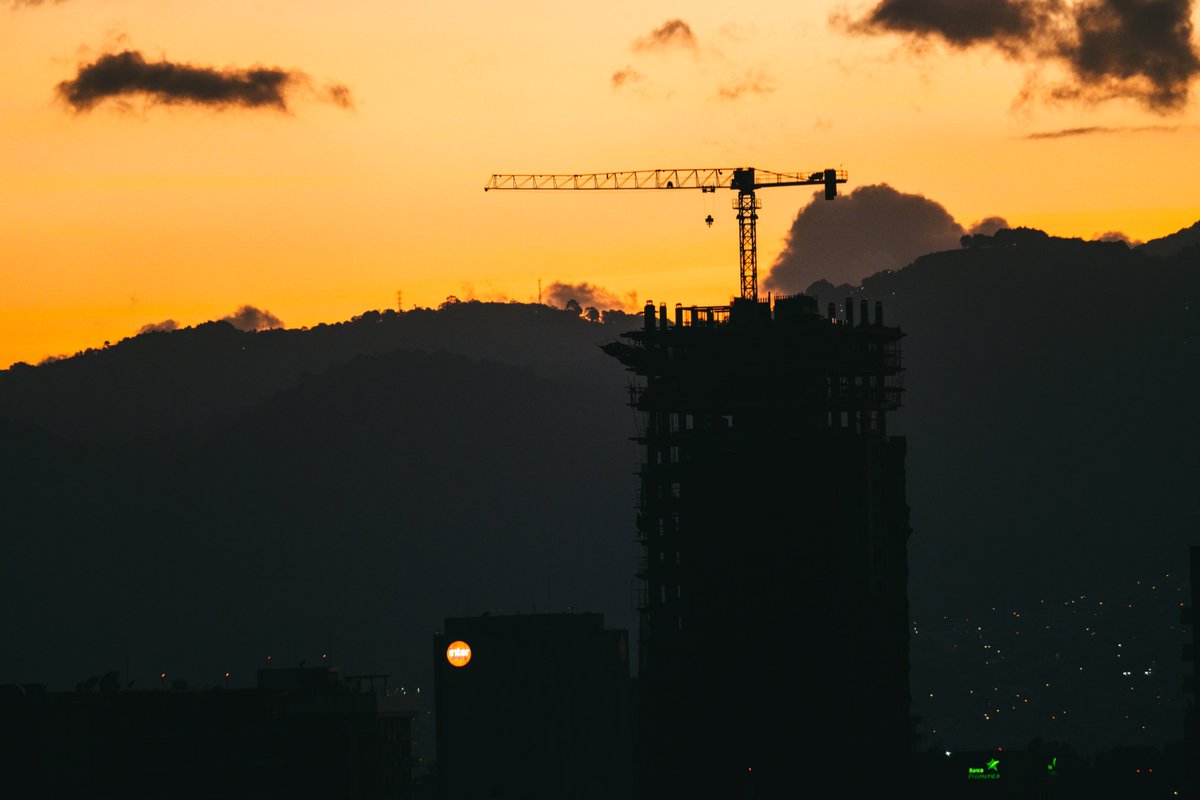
point(774, 616)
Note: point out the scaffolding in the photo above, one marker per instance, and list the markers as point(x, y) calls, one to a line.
point(736, 549)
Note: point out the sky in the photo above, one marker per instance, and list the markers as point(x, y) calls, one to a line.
point(170, 161)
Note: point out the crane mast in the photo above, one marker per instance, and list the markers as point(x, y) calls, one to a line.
point(745, 180)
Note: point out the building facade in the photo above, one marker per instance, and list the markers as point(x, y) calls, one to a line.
point(773, 643)
point(533, 706)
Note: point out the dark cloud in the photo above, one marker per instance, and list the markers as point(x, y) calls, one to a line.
point(1134, 49)
point(1116, 236)
point(1097, 129)
point(128, 73)
point(1069, 132)
point(1007, 24)
point(249, 318)
point(1144, 46)
point(872, 228)
point(672, 33)
point(166, 326)
point(987, 226)
point(624, 76)
point(588, 295)
point(751, 83)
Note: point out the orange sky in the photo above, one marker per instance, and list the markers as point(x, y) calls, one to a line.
point(134, 213)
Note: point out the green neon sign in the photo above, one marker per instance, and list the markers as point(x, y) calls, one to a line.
point(990, 771)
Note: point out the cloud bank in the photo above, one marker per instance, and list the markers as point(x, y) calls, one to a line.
point(872, 228)
point(1133, 49)
point(128, 73)
point(249, 318)
point(166, 326)
point(588, 295)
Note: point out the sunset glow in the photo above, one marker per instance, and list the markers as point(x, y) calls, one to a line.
point(363, 177)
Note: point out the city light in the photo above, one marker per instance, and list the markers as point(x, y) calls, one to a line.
point(458, 654)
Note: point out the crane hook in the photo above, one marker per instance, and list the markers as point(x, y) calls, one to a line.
point(709, 220)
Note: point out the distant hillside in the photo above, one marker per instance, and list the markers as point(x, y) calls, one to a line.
point(363, 504)
point(1174, 243)
point(200, 498)
point(161, 382)
point(1048, 392)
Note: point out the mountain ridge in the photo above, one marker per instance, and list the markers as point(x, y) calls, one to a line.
point(379, 480)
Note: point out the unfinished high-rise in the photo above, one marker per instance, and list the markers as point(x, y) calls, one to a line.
point(772, 517)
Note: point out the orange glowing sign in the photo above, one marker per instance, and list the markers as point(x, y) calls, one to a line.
point(458, 654)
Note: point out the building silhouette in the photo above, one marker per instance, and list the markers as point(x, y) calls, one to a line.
point(300, 733)
point(773, 646)
point(533, 706)
point(1190, 617)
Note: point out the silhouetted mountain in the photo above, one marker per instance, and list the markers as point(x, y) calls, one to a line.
point(1173, 243)
point(160, 381)
point(193, 501)
point(1047, 407)
point(363, 505)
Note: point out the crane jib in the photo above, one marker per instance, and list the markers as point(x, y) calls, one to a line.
point(739, 178)
point(745, 180)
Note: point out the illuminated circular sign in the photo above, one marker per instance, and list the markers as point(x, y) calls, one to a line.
point(458, 654)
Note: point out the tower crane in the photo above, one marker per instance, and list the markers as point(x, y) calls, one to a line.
point(745, 180)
